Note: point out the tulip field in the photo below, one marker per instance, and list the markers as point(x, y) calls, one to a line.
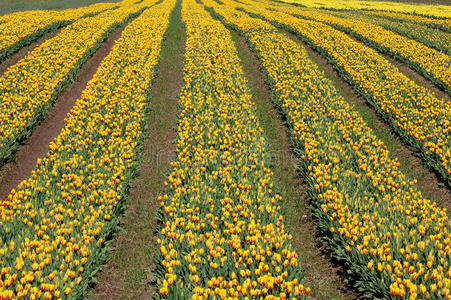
point(219, 227)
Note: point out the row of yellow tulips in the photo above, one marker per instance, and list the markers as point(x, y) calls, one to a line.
point(393, 241)
point(20, 29)
point(430, 11)
point(29, 88)
point(24, 14)
point(431, 37)
point(53, 226)
point(433, 64)
point(222, 234)
point(413, 111)
point(442, 24)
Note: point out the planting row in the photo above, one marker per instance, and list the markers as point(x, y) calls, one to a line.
point(29, 88)
point(54, 224)
point(430, 11)
point(429, 62)
point(434, 38)
point(394, 242)
point(421, 119)
point(442, 24)
point(222, 234)
point(20, 29)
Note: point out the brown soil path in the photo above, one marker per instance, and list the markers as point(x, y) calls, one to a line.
point(12, 173)
point(410, 164)
point(321, 275)
point(127, 273)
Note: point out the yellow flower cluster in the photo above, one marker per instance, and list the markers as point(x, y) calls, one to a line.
point(443, 24)
point(443, 11)
point(432, 37)
point(413, 111)
point(433, 64)
point(394, 241)
point(52, 227)
point(22, 28)
point(222, 234)
point(29, 88)
point(77, 12)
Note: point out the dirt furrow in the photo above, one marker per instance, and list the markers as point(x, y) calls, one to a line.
point(12, 173)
